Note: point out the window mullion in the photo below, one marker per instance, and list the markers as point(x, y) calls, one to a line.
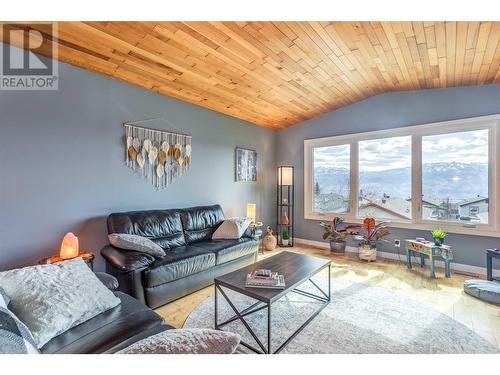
point(416, 178)
point(354, 175)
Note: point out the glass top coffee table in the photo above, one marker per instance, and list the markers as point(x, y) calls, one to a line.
point(297, 269)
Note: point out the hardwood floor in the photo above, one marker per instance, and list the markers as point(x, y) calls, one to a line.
point(444, 294)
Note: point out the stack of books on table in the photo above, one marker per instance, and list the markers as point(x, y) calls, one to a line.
point(265, 279)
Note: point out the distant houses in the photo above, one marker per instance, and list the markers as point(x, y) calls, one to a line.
point(396, 208)
point(474, 209)
point(385, 207)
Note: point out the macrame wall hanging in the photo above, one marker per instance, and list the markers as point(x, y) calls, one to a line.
point(157, 155)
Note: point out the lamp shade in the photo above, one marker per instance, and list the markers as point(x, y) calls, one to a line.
point(285, 175)
point(251, 211)
point(69, 246)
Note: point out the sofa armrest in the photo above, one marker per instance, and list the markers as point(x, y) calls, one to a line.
point(126, 260)
point(252, 232)
point(108, 280)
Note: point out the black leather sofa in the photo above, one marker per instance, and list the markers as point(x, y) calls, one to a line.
point(192, 258)
point(110, 331)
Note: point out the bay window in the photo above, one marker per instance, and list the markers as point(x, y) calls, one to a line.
point(426, 176)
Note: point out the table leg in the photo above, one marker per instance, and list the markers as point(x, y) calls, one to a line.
point(422, 260)
point(489, 267)
point(216, 326)
point(269, 329)
point(329, 282)
point(408, 259)
point(447, 272)
point(431, 261)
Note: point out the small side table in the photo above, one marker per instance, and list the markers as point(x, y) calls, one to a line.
point(490, 254)
point(87, 257)
point(432, 251)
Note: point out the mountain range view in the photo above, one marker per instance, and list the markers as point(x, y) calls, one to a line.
point(440, 180)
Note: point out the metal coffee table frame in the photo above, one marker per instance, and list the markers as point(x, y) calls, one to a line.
point(325, 297)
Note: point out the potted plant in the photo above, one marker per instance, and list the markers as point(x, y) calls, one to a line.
point(285, 237)
point(439, 236)
point(337, 233)
point(368, 242)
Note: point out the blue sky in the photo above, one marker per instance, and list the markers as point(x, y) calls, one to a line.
point(395, 152)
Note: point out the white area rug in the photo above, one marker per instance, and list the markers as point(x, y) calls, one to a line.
point(359, 319)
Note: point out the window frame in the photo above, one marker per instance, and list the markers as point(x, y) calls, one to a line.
point(491, 123)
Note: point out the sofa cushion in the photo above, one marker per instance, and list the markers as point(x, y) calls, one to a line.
point(52, 298)
point(107, 330)
point(227, 250)
point(200, 223)
point(164, 227)
point(177, 263)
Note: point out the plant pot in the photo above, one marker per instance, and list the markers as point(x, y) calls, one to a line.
point(368, 252)
point(284, 242)
point(438, 241)
point(337, 246)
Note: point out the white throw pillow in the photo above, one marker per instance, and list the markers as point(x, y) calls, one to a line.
point(232, 228)
point(52, 298)
point(186, 341)
point(137, 243)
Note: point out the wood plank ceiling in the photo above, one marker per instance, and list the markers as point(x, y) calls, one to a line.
point(276, 74)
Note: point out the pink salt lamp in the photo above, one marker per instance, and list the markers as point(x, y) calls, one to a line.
point(69, 246)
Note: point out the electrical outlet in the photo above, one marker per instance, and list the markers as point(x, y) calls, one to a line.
point(397, 243)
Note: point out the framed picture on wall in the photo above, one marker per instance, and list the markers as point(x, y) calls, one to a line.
point(246, 165)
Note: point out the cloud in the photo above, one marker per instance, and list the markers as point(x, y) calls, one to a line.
point(332, 156)
point(465, 147)
point(395, 152)
point(384, 154)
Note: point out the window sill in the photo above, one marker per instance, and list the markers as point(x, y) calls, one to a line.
point(478, 230)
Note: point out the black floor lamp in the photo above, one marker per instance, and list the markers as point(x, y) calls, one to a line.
point(285, 202)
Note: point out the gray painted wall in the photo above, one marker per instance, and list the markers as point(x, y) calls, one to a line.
point(62, 163)
point(62, 158)
point(387, 111)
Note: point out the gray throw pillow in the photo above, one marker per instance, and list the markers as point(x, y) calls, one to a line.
point(15, 337)
point(52, 298)
point(186, 341)
point(136, 243)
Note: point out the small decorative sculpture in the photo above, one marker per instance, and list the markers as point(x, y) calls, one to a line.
point(284, 219)
point(269, 241)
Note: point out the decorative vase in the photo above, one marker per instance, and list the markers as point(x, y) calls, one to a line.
point(285, 220)
point(269, 241)
point(438, 241)
point(337, 246)
point(368, 252)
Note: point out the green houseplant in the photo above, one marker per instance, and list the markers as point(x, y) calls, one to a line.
point(374, 233)
point(337, 233)
point(285, 237)
point(439, 236)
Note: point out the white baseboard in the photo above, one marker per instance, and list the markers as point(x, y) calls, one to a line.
point(394, 256)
